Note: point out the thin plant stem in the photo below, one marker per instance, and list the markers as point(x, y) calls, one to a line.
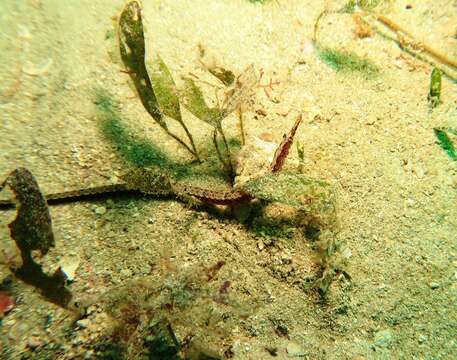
point(218, 152)
point(182, 143)
point(191, 139)
point(240, 116)
point(316, 25)
point(427, 48)
point(227, 150)
point(444, 59)
point(227, 165)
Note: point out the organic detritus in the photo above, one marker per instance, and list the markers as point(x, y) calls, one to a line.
point(32, 230)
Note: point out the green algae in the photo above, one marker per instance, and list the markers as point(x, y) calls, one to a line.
point(296, 190)
point(434, 95)
point(445, 143)
point(343, 61)
point(366, 5)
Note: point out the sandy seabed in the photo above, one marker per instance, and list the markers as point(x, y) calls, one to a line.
point(372, 139)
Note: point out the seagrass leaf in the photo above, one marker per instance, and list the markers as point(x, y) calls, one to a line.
point(164, 88)
point(194, 101)
point(132, 49)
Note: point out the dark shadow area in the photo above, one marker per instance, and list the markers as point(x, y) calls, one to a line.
point(52, 287)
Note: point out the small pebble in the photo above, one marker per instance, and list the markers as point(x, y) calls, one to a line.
point(383, 338)
point(434, 285)
point(422, 339)
point(83, 323)
point(295, 350)
point(6, 303)
point(126, 273)
point(286, 259)
point(34, 342)
point(260, 245)
point(88, 354)
point(100, 210)
point(272, 350)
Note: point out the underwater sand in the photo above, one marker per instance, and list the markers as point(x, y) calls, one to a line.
point(372, 139)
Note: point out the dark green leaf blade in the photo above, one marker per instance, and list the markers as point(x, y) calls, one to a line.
point(132, 48)
point(445, 143)
point(164, 88)
point(194, 101)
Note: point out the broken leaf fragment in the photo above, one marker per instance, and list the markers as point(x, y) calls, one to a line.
point(434, 95)
point(282, 151)
point(6, 303)
point(225, 76)
point(32, 228)
point(445, 143)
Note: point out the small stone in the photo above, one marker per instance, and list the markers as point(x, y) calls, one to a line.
point(83, 323)
point(69, 265)
point(34, 342)
point(146, 269)
point(151, 220)
point(434, 285)
point(286, 259)
point(126, 273)
point(272, 350)
point(6, 303)
point(347, 253)
point(383, 338)
point(422, 339)
point(100, 210)
point(295, 350)
point(88, 354)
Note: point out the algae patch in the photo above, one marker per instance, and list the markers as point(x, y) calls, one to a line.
point(445, 143)
point(343, 61)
